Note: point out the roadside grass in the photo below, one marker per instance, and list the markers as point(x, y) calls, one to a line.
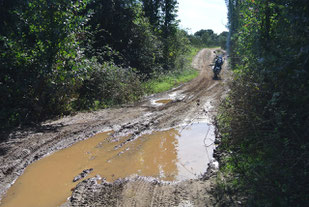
point(159, 83)
point(168, 81)
point(193, 52)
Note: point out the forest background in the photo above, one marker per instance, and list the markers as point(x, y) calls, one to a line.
point(264, 121)
point(58, 57)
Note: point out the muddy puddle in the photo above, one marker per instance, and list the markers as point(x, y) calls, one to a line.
point(164, 101)
point(171, 155)
point(172, 97)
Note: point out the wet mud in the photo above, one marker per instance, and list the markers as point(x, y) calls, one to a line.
point(193, 102)
point(163, 101)
point(170, 155)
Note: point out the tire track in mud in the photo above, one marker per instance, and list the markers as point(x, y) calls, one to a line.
point(141, 191)
point(173, 113)
point(26, 146)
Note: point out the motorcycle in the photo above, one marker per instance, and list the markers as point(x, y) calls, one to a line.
point(217, 68)
point(216, 71)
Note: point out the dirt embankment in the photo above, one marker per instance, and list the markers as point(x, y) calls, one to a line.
point(194, 101)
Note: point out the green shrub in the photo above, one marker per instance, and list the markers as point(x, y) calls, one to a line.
point(264, 121)
point(264, 128)
point(108, 85)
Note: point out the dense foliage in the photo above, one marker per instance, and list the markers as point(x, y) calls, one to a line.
point(41, 59)
point(58, 56)
point(264, 121)
point(207, 38)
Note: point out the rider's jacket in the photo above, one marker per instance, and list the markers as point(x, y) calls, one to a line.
point(219, 62)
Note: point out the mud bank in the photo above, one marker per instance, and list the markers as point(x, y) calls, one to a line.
point(144, 191)
point(195, 101)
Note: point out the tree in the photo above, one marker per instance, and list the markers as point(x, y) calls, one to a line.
point(152, 11)
point(208, 37)
point(222, 39)
point(41, 61)
point(169, 28)
point(51, 51)
point(264, 120)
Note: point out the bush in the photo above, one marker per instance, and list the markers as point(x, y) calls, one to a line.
point(264, 121)
point(264, 127)
point(108, 85)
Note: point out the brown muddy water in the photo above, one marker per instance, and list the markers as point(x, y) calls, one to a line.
point(170, 155)
point(163, 101)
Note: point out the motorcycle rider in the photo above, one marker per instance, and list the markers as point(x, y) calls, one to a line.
point(219, 61)
point(217, 66)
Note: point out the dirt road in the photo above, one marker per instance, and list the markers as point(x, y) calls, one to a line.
point(191, 102)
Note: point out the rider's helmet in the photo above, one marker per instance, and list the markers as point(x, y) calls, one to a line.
point(219, 60)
